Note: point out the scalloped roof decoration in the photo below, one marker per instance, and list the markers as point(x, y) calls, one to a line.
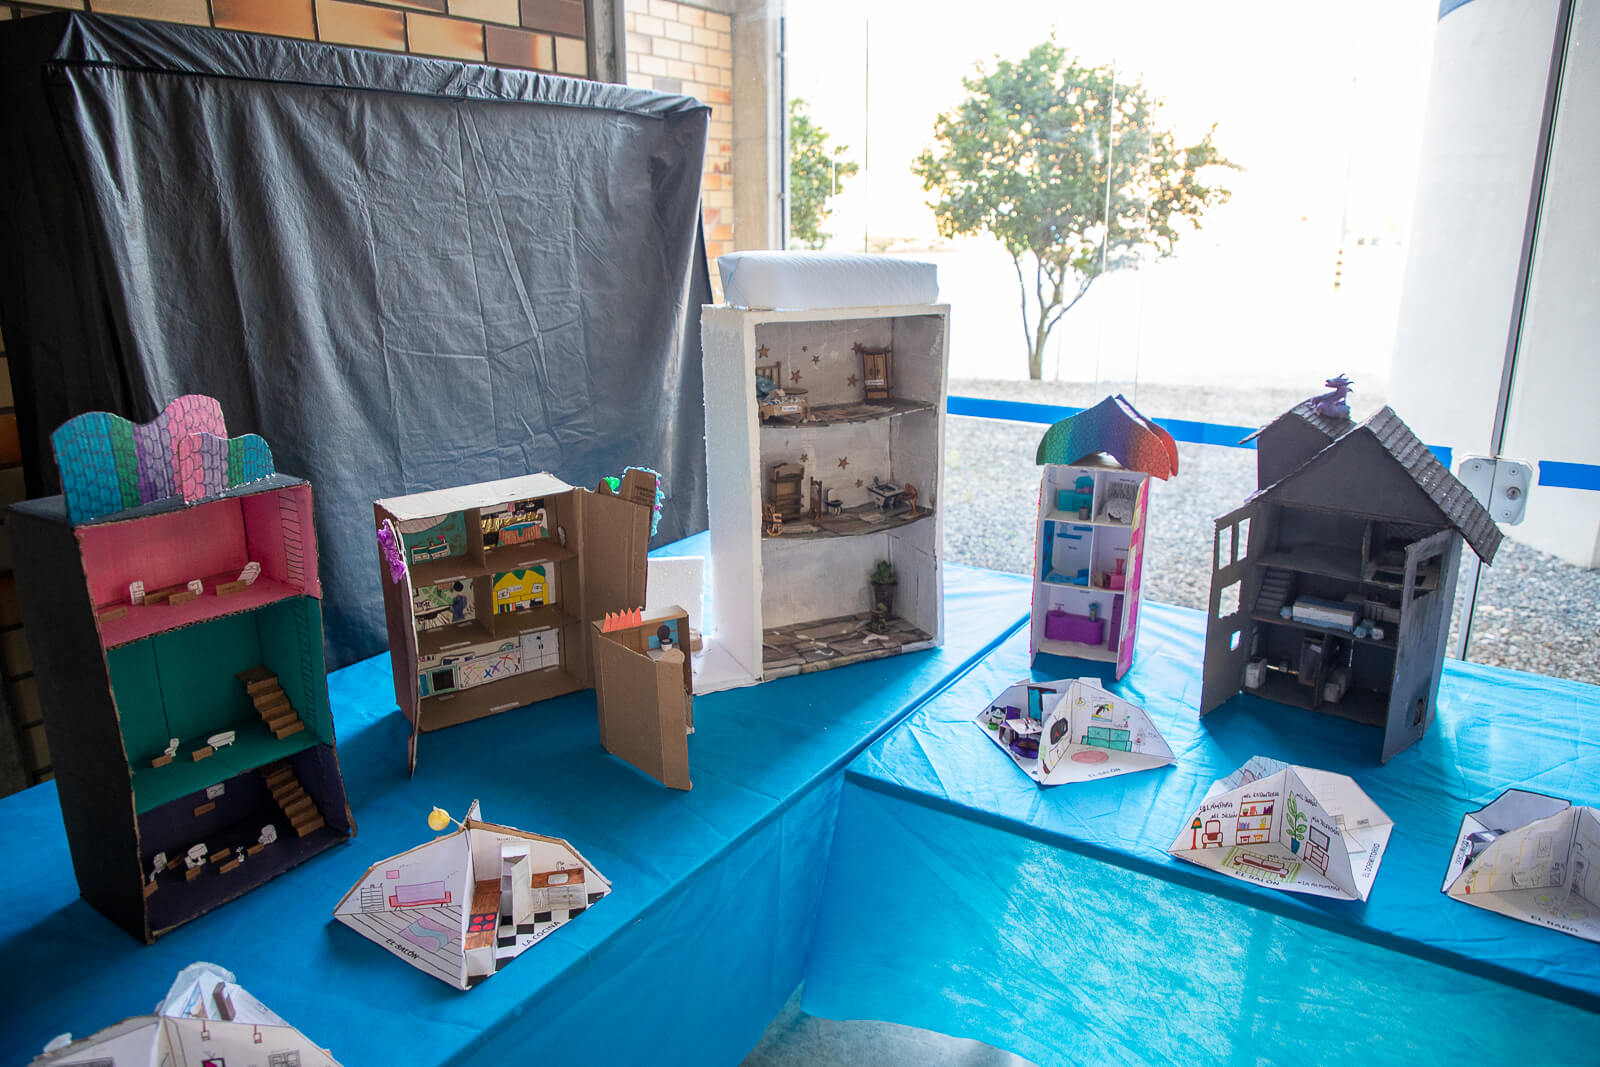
point(109, 464)
point(1116, 428)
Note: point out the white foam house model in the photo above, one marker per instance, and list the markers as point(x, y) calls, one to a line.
point(1291, 828)
point(1072, 731)
point(1531, 857)
point(824, 449)
point(206, 1018)
point(465, 904)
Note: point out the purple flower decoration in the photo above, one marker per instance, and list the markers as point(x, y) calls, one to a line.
point(391, 552)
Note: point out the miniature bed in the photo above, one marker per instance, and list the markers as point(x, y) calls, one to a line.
point(1139, 957)
point(703, 937)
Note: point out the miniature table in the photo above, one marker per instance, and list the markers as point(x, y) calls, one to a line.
point(963, 898)
point(702, 940)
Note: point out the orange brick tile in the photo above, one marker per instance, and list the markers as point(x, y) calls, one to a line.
point(554, 16)
point(691, 53)
point(679, 32)
point(649, 25)
point(664, 9)
point(720, 96)
point(660, 46)
point(691, 16)
point(706, 38)
point(505, 11)
point(192, 12)
point(360, 25)
point(572, 57)
point(711, 181)
point(715, 20)
point(722, 232)
point(519, 48)
point(431, 35)
point(653, 66)
point(282, 18)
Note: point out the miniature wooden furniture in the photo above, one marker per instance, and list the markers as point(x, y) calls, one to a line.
point(1332, 588)
point(876, 380)
point(1091, 529)
point(116, 687)
point(783, 401)
point(769, 590)
point(480, 623)
point(787, 495)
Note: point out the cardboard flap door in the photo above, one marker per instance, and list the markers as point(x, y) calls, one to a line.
point(1230, 631)
point(1129, 631)
point(644, 710)
point(616, 537)
point(1429, 594)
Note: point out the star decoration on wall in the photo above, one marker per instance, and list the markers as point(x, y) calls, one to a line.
point(844, 461)
point(860, 483)
point(851, 381)
point(794, 376)
point(816, 361)
point(805, 457)
point(762, 351)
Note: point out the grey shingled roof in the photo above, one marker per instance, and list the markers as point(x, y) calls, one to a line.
point(1306, 411)
point(1460, 507)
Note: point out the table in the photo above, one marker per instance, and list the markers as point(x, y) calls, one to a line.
point(702, 940)
point(963, 898)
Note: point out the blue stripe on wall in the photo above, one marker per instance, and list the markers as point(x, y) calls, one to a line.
point(1569, 475)
point(1552, 473)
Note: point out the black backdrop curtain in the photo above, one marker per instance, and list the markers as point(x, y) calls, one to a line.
point(404, 273)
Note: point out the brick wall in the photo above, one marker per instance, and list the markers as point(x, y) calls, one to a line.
point(543, 35)
point(687, 48)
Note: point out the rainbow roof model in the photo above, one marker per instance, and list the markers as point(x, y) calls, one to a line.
point(1089, 551)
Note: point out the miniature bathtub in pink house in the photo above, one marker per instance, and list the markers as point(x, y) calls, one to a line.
point(1064, 626)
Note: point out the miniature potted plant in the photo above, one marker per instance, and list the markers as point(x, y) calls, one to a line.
point(1296, 825)
point(883, 582)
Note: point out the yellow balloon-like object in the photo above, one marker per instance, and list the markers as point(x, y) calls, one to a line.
point(438, 819)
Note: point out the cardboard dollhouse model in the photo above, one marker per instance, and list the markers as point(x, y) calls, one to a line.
point(1076, 731)
point(1332, 586)
point(1531, 857)
point(467, 903)
point(1295, 829)
point(824, 447)
point(174, 615)
point(495, 594)
point(1089, 545)
point(206, 1020)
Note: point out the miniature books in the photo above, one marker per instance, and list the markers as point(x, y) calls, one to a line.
point(1291, 828)
point(1072, 732)
point(1532, 857)
point(464, 905)
point(205, 1019)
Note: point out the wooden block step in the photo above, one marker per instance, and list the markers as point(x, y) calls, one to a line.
point(279, 716)
point(266, 701)
point(292, 728)
point(263, 685)
point(300, 806)
point(302, 829)
point(254, 674)
point(279, 778)
point(287, 793)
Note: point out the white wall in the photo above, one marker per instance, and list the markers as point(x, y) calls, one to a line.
point(1479, 141)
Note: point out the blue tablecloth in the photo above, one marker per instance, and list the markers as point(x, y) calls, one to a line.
point(961, 897)
point(694, 952)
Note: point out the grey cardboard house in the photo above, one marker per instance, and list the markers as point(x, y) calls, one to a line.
point(1332, 587)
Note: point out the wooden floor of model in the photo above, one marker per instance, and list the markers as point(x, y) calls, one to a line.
point(825, 643)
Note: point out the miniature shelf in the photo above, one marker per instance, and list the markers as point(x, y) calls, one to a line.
point(543, 617)
point(519, 557)
point(1387, 641)
point(506, 624)
point(826, 643)
point(840, 414)
point(1072, 520)
point(1334, 563)
point(1083, 588)
point(253, 746)
point(849, 523)
point(1075, 649)
point(504, 694)
point(144, 620)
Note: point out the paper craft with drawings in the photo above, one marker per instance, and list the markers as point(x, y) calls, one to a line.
point(1531, 857)
point(1073, 731)
point(206, 1018)
point(1292, 828)
point(465, 904)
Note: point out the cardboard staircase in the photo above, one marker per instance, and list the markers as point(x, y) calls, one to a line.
point(291, 796)
point(271, 702)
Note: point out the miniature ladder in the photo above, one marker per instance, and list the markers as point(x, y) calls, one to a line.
point(271, 702)
point(291, 796)
point(1275, 586)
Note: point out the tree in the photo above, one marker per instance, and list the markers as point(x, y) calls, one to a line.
point(1034, 154)
point(815, 171)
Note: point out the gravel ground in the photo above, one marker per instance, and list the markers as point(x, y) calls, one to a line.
point(992, 488)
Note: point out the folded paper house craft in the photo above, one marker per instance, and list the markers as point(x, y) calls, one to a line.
point(206, 1020)
point(464, 905)
point(1075, 731)
point(1531, 857)
point(1291, 828)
